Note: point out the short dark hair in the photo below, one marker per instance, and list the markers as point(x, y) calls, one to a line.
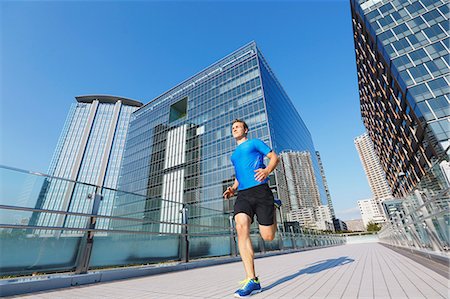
point(240, 121)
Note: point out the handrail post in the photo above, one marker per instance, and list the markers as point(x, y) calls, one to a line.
point(234, 251)
point(87, 242)
point(184, 246)
point(294, 243)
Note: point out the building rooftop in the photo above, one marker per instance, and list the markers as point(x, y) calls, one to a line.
point(107, 99)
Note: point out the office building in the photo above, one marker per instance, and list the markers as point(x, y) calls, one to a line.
point(89, 151)
point(372, 167)
point(370, 211)
point(298, 182)
point(339, 225)
point(324, 219)
point(393, 206)
point(325, 185)
point(317, 218)
point(402, 55)
point(374, 172)
point(179, 144)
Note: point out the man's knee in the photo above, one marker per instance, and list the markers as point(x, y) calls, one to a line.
point(242, 223)
point(268, 236)
point(242, 227)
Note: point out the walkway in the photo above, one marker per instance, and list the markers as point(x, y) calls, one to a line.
point(352, 271)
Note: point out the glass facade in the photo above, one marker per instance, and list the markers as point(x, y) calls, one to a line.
point(89, 150)
point(182, 155)
point(402, 53)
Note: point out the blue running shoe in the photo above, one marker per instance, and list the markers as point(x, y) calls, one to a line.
point(249, 287)
point(277, 203)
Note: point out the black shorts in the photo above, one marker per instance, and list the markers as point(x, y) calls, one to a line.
point(256, 200)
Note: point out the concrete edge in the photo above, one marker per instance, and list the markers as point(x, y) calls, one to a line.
point(28, 285)
point(433, 261)
point(442, 259)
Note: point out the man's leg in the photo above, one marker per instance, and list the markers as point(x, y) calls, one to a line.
point(267, 232)
point(243, 223)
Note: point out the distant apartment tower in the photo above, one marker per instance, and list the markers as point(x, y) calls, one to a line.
point(90, 151)
point(299, 187)
point(370, 212)
point(304, 216)
point(402, 55)
point(324, 219)
point(194, 118)
point(325, 185)
point(372, 167)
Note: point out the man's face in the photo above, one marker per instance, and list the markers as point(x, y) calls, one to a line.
point(238, 130)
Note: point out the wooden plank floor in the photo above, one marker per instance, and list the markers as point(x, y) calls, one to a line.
point(350, 271)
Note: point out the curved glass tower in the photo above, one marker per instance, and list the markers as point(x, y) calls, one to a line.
point(90, 151)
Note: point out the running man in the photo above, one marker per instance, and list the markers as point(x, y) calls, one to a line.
point(254, 197)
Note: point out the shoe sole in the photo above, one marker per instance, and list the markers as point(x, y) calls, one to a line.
point(252, 293)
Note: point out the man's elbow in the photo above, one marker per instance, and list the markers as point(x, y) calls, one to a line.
point(274, 157)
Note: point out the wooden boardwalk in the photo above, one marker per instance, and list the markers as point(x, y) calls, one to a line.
point(351, 271)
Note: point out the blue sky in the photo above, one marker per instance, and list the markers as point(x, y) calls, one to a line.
point(52, 51)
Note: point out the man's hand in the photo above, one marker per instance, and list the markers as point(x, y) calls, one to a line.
point(228, 193)
point(261, 174)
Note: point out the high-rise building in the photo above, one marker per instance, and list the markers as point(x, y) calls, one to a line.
point(179, 144)
point(325, 185)
point(298, 184)
point(372, 167)
point(304, 216)
point(90, 151)
point(324, 220)
point(402, 55)
point(370, 211)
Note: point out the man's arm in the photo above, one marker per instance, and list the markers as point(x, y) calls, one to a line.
point(231, 190)
point(262, 173)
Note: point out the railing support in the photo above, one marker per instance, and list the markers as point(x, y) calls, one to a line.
point(184, 244)
point(234, 251)
point(294, 243)
point(85, 249)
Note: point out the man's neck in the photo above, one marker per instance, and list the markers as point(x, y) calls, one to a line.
point(242, 139)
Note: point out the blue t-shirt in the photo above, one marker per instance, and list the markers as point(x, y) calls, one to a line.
point(246, 158)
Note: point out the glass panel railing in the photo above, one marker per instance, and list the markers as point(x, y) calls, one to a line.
point(51, 224)
point(23, 253)
point(422, 220)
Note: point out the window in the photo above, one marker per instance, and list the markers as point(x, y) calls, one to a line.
point(440, 106)
point(178, 110)
point(406, 78)
point(417, 24)
point(419, 56)
point(439, 86)
point(419, 73)
point(415, 8)
point(420, 92)
point(436, 50)
point(401, 31)
point(402, 62)
point(433, 17)
point(434, 32)
point(444, 10)
point(402, 46)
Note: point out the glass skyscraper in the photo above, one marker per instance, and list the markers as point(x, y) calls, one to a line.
point(90, 151)
point(402, 57)
point(325, 184)
point(179, 144)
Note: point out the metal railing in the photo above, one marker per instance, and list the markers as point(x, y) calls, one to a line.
point(422, 219)
point(102, 227)
point(420, 224)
